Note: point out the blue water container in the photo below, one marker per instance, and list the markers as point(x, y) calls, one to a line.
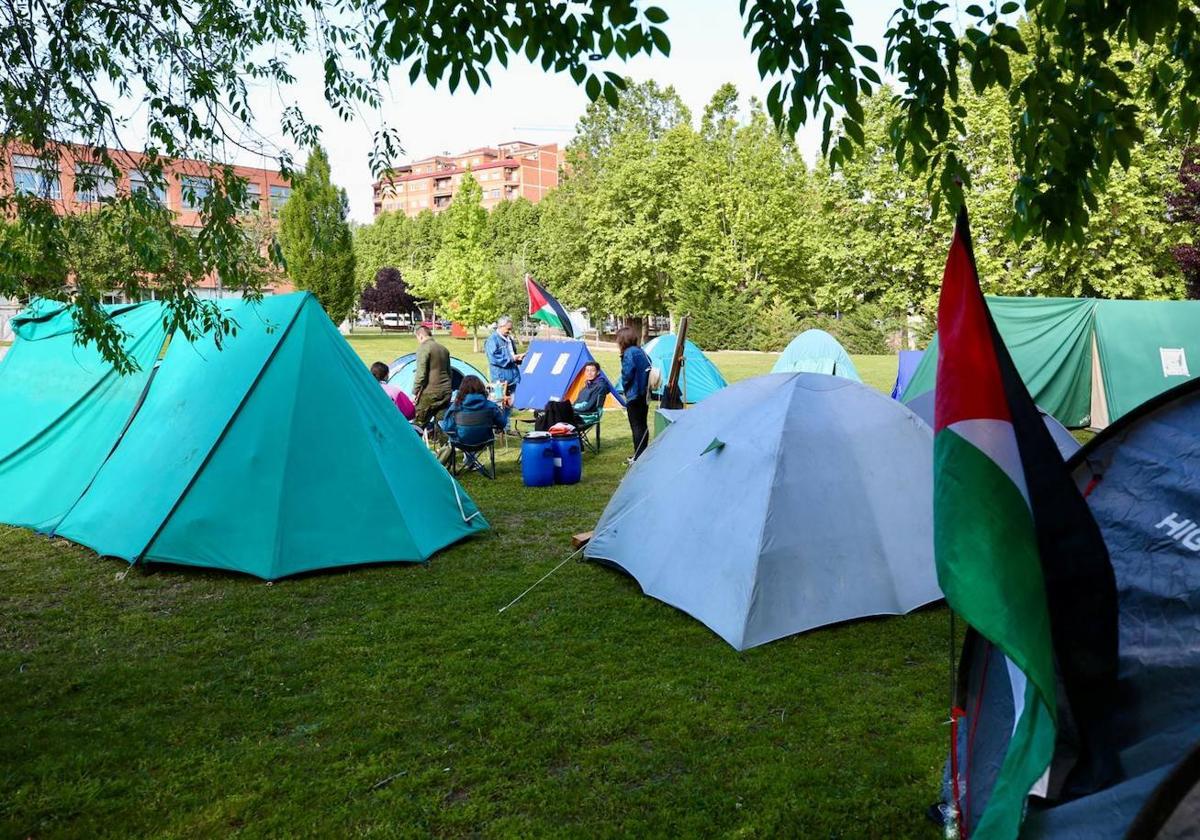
point(568, 459)
point(537, 460)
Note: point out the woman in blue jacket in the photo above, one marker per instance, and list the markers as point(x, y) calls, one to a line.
point(472, 418)
point(635, 380)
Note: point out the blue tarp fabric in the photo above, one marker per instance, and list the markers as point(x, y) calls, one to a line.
point(552, 370)
point(403, 370)
point(906, 365)
point(64, 408)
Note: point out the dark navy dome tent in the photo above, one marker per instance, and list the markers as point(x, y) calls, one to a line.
point(1141, 478)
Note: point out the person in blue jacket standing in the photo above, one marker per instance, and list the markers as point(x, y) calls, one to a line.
point(635, 380)
point(504, 362)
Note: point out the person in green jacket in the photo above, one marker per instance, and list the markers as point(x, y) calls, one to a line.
point(431, 382)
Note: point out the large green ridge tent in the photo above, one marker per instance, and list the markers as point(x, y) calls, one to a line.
point(273, 454)
point(1088, 362)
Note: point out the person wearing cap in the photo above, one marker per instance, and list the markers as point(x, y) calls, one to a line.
point(504, 362)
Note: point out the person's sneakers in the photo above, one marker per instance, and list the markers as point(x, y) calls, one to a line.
point(629, 462)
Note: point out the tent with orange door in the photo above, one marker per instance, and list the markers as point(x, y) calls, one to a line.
point(553, 370)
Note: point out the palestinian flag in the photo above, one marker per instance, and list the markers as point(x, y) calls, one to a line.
point(545, 308)
point(1018, 553)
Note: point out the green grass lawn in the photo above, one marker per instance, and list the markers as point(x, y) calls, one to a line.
point(396, 701)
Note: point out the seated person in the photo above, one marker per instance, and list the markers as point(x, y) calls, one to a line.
point(471, 403)
point(380, 371)
point(591, 398)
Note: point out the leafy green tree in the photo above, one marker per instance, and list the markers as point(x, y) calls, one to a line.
point(78, 71)
point(395, 240)
point(316, 240)
point(643, 107)
point(463, 277)
point(511, 236)
point(186, 70)
point(1185, 212)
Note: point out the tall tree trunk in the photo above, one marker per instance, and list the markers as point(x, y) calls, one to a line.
point(475, 338)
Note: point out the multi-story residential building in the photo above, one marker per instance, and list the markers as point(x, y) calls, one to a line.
point(504, 172)
point(268, 190)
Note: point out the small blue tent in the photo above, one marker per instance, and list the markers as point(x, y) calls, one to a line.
point(700, 379)
point(402, 371)
point(906, 366)
point(553, 370)
point(816, 351)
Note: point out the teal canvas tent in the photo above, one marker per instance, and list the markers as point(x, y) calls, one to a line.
point(273, 454)
point(64, 407)
point(700, 378)
point(816, 351)
point(1088, 362)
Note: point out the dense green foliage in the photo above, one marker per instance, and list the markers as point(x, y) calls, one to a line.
point(315, 238)
point(723, 220)
point(462, 275)
point(80, 71)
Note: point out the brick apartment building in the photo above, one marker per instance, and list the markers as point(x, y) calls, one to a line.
point(268, 190)
point(504, 172)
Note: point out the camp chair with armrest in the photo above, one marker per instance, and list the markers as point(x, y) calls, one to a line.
point(473, 435)
point(591, 420)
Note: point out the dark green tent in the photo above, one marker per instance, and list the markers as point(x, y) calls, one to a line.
point(1086, 361)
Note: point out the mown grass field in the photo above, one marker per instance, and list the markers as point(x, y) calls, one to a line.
point(396, 701)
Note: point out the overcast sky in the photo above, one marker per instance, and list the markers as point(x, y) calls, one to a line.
point(525, 103)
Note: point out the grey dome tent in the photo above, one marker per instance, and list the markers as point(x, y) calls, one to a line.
point(1141, 477)
point(833, 519)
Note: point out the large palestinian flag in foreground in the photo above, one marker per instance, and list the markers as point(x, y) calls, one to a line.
point(1019, 556)
point(545, 308)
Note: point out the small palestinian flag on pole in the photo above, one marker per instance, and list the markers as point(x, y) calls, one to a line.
point(1018, 553)
point(545, 308)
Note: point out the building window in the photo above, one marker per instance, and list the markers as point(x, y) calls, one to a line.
point(141, 182)
point(195, 189)
point(31, 178)
point(253, 198)
point(93, 183)
point(495, 193)
point(279, 197)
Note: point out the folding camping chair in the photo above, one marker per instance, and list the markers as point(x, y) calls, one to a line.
point(473, 435)
point(590, 421)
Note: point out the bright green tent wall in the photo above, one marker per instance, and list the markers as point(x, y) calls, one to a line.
point(64, 407)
